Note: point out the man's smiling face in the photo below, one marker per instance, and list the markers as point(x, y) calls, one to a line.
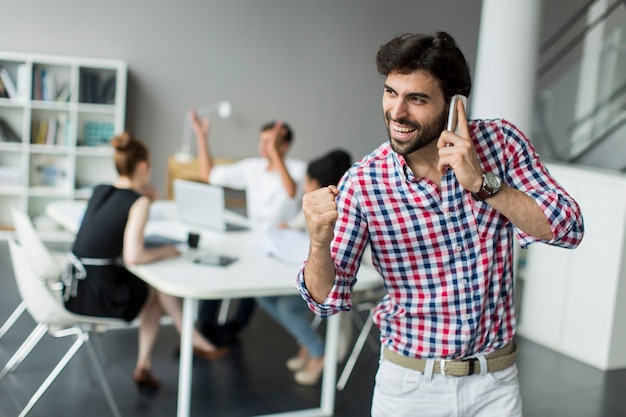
point(415, 110)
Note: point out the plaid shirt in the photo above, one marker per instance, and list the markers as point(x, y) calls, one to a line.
point(446, 259)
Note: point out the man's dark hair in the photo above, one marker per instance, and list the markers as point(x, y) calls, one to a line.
point(328, 169)
point(270, 125)
point(439, 55)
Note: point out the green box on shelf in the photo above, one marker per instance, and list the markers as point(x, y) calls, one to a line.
point(98, 133)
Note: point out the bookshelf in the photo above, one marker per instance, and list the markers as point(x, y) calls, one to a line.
point(57, 115)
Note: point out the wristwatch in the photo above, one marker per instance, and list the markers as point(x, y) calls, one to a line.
point(490, 186)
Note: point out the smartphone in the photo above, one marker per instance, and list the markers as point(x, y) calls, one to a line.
point(453, 122)
point(214, 260)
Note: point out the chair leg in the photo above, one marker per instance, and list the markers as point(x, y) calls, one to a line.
point(100, 354)
point(222, 316)
point(358, 322)
point(356, 351)
point(315, 323)
point(81, 337)
point(12, 318)
point(22, 352)
point(103, 381)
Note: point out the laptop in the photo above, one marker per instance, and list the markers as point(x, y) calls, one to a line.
point(202, 205)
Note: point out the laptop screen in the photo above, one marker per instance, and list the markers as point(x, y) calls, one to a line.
point(200, 204)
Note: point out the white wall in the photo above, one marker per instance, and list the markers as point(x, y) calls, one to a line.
point(573, 300)
point(311, 63)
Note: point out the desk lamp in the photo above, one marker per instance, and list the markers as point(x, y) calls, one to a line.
point(224, 110)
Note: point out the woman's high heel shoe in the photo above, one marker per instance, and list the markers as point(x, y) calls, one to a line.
point(146, 383)
point(312, 377)
point(296, 363)
point(218, 353)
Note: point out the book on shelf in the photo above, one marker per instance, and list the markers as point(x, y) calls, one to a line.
point(51, 132)
point(89, 86)
point(63, 95)
point(93, 89)
point(63, 129)
point(10, 176)
point(108, 91)
point(9, 86)
point(7, 134)
point(48, 84)
point(39, 131)
point(22, 82)
point(37, 93)
point(3, 91)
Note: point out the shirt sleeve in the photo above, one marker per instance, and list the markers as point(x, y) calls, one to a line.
point(527, 173)
point(230, 175)
point(346, 249)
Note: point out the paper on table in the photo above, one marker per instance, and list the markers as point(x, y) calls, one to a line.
point(287, 245)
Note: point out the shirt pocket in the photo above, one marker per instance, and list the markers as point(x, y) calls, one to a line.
point(486, 220)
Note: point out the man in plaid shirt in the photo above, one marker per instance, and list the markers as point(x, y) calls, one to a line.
point(440, 211)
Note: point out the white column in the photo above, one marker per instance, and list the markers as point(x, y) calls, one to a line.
point(504, 78)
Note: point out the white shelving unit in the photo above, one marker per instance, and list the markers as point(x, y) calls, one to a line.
point(64, 111)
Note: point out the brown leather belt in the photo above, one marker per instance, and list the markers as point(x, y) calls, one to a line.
point(496, 361)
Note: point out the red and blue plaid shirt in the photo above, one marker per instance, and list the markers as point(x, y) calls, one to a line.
point(446, 259)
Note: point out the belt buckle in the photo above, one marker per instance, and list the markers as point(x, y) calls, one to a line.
point(442, 367)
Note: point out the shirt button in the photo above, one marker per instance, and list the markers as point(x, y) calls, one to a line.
point(449, 214)
point(430, 187)
point(466, 317)
point(464, 281)
point(459, 248)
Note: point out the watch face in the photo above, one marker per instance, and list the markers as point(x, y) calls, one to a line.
point(492, 181)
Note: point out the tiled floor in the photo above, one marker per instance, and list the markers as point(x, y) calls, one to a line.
point(252, 380)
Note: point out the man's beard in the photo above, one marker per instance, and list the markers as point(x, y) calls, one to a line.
point(425, 134)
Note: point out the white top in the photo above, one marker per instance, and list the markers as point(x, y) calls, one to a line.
point(267, 202)
point(298, 222)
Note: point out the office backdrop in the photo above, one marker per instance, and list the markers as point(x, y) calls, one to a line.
point(310, 63)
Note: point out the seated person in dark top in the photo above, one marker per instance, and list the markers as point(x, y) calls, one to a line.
point(110, 236)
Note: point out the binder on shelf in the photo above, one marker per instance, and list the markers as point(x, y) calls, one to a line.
point(9, 86)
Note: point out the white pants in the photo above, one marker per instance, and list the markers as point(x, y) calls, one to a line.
point(402, 392)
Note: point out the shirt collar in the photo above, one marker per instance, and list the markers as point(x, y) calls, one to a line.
point(402, 166)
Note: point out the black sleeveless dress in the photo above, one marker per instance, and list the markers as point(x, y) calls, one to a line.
point(108, 290)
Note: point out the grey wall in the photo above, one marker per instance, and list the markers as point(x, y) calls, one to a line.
point(310, 63)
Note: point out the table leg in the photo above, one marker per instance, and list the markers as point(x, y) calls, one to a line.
point(190, 306)
point(329, 377)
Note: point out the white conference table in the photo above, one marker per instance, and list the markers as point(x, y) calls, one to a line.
point(253, 274)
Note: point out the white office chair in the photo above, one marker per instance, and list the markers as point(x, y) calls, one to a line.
point(364, 301)
point(48, 264)
point(48, 311)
